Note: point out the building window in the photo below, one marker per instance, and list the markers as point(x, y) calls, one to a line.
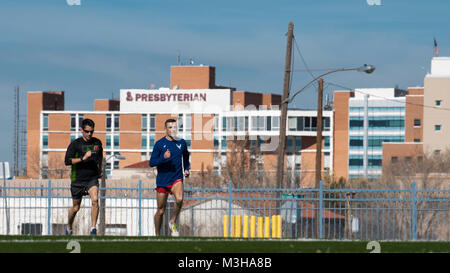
point(45, 141)
point(45, 121)
point(45, 159)
point(408, 159)
point(116, 142)
point(268, 123)
point(144, 142)
point(80, 119)
point(326, 123)
point(108, 142)
point(326, 142)
point(180, 123)
point(242, 123)
point(188, 141)
point(275, 123)
point(152, 142)
point(417, 123)
point(72, 137)
point(438, 102)
point(216, 123)
point(108, 122)
point(224, 143)
point(298, 143)
point(144, 156)
point(290, 141)
point(73, 123)
point(292, 123)
point(437, 152)
point(437, 127)
point(394, 159)
point(417, 140)
point(152, 122)
point(216, 143)
point(144, 122)
point(188, 122)
point(116, 122)
point(224, 124)
point(261, 123)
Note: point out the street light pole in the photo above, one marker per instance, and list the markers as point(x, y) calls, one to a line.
point(365, 68)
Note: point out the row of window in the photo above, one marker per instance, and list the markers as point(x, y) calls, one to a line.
point(307, 123)
point(357, 161)
point(148, 142)
point(394, 122)
point(377, 109)
point(374, 142)
point(229, 124)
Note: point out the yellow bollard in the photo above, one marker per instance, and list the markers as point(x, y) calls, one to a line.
point(225, 226)
point(279, 223)
point(260, 227)
point(274, 226)
point(245, 235)
point(233, 223)
point(238, 226)
point(267, 227)
point(252, 226)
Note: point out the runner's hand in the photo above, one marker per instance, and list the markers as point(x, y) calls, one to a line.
point(87, 155)
point(167, 154)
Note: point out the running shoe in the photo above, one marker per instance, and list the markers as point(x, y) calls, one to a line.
point(68, 232)
point(173, 229)
point(94, 231)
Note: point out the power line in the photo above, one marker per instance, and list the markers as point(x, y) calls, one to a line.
point(390, 99)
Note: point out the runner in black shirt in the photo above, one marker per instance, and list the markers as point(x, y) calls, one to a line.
point(85, 155)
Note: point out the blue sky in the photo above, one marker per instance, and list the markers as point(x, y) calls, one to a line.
point(93, 50)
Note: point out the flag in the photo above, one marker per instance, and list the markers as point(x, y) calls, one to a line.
point(436, 48)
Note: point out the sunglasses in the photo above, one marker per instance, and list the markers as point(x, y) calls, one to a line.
point(88, 132)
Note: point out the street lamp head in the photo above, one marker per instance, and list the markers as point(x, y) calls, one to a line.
point(367, 68)
point(119, 157)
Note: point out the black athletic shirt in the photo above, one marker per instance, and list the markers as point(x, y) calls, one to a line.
point(90, 168)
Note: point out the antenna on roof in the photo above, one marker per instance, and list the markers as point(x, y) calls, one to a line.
point(178, 58)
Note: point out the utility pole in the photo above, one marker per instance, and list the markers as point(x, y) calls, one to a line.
point(318, 155)
point(319, 134)
point(283, 118)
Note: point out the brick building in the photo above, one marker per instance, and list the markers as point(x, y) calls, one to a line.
point(210, 117)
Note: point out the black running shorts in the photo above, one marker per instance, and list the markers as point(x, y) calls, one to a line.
point(80, 189)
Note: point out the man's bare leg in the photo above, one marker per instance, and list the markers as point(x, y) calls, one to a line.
point(73, 211)
point(161, 202)
point(93, 193)
point(177, 191)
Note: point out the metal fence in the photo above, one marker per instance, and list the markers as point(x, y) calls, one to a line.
point(412, 213)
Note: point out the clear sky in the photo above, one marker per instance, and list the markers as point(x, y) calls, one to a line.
point(94, 49)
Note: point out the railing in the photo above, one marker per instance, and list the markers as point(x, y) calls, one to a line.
point(410, 213)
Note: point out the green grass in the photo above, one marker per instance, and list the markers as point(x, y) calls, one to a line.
point(120, 244)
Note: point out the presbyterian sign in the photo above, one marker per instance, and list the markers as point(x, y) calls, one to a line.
point(166, 100)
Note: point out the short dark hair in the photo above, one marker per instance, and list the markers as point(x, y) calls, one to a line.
point(169, 121)
point(87, 122)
